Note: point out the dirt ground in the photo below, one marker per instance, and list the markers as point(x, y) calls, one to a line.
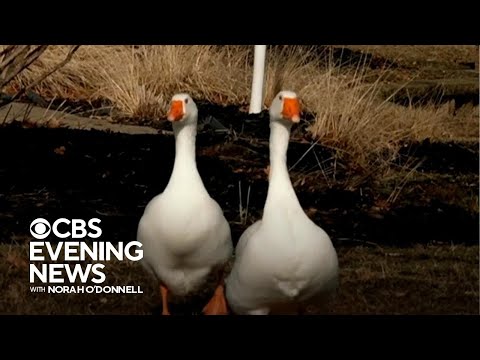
point(418, 255)
point(423, 279)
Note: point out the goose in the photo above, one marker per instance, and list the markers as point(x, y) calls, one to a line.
point(183, 231)
point(283, 262)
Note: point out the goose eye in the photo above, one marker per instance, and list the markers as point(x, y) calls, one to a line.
point(280, 97)
point(186, 101)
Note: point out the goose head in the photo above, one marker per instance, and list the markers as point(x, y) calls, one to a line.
point(285, 108)
point(183, 109)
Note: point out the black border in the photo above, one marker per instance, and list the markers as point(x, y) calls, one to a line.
point(244, 23)
point(399, 23)
point(313, 336)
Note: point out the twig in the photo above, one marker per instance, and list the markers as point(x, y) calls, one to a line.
point(304, 154)
point(28, 110)
point(6, 50)
point(6, 116)
point(321, 168)
point(11, 53)
point(48, 73)
point(398, 189)
point(21, 62)
point(240, 207)
point(248, 201)
point(243, 212)
point(54, 111)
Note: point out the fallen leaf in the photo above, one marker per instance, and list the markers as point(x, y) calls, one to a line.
point(60, 150)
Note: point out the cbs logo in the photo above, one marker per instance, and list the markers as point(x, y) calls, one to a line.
point(76, 228)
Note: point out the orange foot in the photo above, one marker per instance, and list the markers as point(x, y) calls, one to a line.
point(164, 292)
point(217, 304)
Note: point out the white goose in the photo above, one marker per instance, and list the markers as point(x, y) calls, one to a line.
point(184, 233)
point(284, 261)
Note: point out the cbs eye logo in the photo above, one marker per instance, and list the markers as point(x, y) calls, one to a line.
point(76, 228)
point(40, 228)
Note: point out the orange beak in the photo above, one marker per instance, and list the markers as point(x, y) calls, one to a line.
point(176, 111)
point(291, 109)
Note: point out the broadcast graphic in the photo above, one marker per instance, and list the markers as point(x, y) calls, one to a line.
point(62, 273)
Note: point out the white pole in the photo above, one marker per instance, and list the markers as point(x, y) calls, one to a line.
point(256, 101)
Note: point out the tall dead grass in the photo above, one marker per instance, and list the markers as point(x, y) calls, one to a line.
point(424, 53)
point(350, 115)
point(140, 80)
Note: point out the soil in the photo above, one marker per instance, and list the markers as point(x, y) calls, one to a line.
point(55, 173)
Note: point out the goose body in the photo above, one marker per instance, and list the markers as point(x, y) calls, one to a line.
point(283, 262)
point(184, 233)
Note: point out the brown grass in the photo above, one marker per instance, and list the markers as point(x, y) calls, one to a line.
point(140, 80)
point(422, 53)
point(350, 113)
point(404, 187)
point(420, 280)
point(367, 130)
point(435, 279)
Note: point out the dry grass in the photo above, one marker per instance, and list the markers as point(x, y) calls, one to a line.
point(350, 115)
point(367, 130)
point(139, 80)
point(422, 53)
point(438, 279)
point(404, 187)
point(420, 280)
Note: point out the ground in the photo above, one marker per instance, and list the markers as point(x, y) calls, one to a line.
point(423, 279)
point(407, 240)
